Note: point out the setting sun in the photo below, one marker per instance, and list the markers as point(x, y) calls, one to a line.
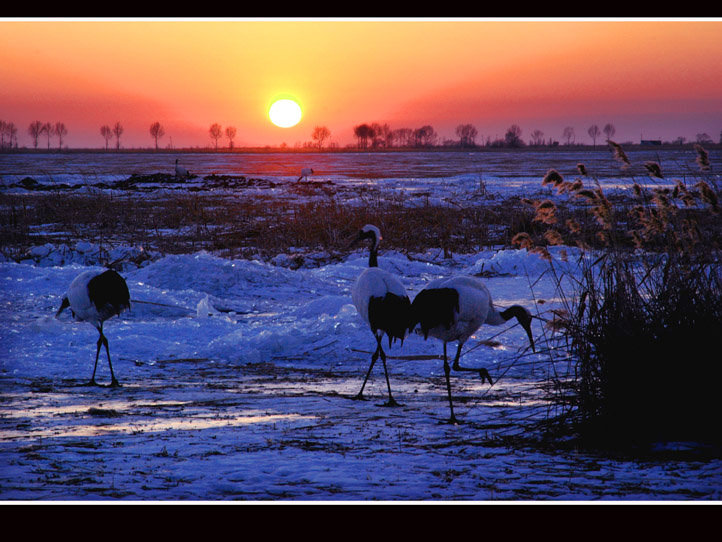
point(285, 113)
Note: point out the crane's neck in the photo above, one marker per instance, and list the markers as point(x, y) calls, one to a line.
point(373, 252)
point(373, 259)
point(496, 318)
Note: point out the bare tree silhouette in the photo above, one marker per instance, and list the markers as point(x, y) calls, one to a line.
point(362, 133)
point(379, 135)
point(609, 130)
point(117, 131)
point(320, 134)
point(402, 137)
point(384, 135)
point(156, 132)
point(47, 129)
point(425, 136)
point(512, 138)
point(593, 133)
point(231, 135)
point(34, 130)
point(107, 134)
point(215, 132)
point(467, 135)
point(568, 134)
point(61, 131)
point(537, 137)
point(12, 132)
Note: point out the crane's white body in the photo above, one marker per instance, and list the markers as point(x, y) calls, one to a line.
point(475, 308)
point(180, 171)
point(80, 303)
point(305, 172)
point(374, 282)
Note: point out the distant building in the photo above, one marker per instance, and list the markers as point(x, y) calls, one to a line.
point(651, 142)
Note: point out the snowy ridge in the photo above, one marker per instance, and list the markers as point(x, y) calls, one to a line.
point(296, 308)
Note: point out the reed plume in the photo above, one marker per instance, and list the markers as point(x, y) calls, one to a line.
point(587, 193)
point(573, 226)
point(654, 169)
point(546, 212)
point(553, 237)
point(619, 153)
point(702, 158)
point(542, 252)
point(523, 240)
point(552, 177)
point(708, 195)
point(576, 185)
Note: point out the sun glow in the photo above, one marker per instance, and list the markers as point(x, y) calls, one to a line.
point(285, 113)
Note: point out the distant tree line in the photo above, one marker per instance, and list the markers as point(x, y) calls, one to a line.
point(37, 129)
point(380, 136)
point(368, 136)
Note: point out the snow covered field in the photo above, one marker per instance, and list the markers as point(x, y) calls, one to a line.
point(237, 375)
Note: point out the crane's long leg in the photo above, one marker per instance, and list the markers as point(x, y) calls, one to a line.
point(374, 357)
point(447, 370)
point(482, 372)
point(113, 382)
point(391, 402)
point(102, 340)
point(97, 354)
point(379, 352)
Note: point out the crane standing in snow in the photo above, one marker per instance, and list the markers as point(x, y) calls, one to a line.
point(452, 309)
point(93, 297)
point(382, 302)
point(180, 171)
point(305, 172)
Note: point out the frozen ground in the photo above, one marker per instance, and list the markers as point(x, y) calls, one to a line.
point(237, 378)
point(252, 401)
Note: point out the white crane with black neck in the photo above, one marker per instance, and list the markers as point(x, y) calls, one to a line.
point(452, 309)
point(382, 302)
point(93, 297)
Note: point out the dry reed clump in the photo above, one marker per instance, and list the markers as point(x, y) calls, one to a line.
point(642, 325)
point(644, 338)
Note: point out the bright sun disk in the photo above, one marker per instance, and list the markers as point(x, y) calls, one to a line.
point(285, 113)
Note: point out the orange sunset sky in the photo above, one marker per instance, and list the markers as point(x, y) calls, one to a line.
point(656, 79)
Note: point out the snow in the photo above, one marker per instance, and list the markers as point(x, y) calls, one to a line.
point(237, 379)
